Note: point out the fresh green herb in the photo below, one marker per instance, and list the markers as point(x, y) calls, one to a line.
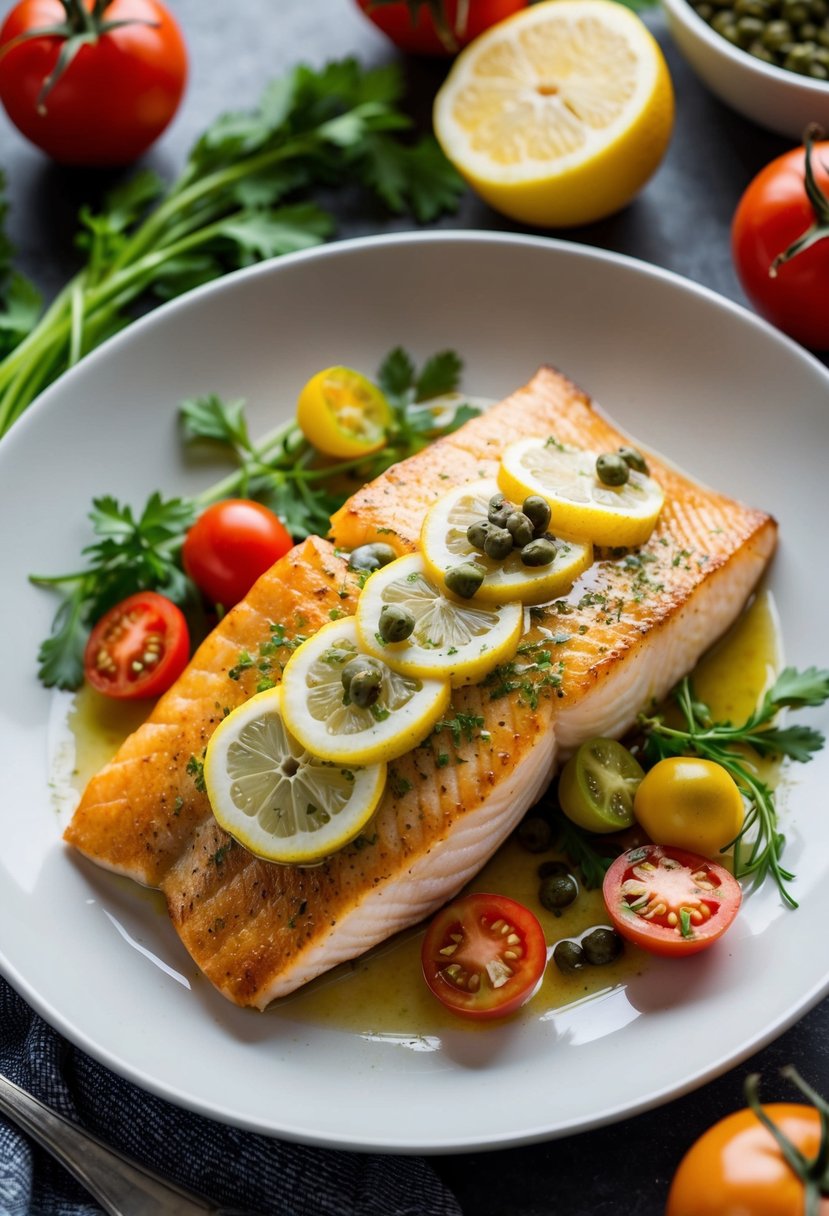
point(758, 849)
point(462, 726)
point(580, 850)
point(410, 392)
point(242, 197)
point(195, 767)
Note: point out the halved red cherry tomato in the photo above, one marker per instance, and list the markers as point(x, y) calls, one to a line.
point(230, 545)
point(669, 901)
point(483, 955)
point(138, 648)
point(436, 27)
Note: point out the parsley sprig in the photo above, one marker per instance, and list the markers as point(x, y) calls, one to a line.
point(245, 195)
point(141, 550)
point(758, 849)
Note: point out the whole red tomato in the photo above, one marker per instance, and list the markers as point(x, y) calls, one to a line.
point(783, 204)
point(436, 27)
point(114, 96)
point(230, 545)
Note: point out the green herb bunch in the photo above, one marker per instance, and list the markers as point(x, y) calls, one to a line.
point(243, 196)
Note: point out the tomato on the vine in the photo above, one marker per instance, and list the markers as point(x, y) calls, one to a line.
point(484, 955)
point(738, 1167)
point(89, 87)
point(138, 648)
point(669, 901)
point(784, 275)
point(230, 545)
point(436, 27)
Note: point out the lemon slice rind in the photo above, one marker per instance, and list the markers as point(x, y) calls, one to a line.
point(459, 641)
point(274, 797)
point(444, 544)
point(582, 507)
point(315, 712)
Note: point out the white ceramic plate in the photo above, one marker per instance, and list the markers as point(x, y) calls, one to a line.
point(686, 372)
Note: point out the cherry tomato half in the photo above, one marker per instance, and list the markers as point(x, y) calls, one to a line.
point(690, 802)
point(230, 545)
point(736, 1167)
point(669, 901)
point(137, 649)
point(112, 100)
point(772, 214)
point(484, 955)
point(438, 27)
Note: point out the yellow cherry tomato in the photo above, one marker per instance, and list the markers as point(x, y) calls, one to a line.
point(690, 803)
point(343, 414)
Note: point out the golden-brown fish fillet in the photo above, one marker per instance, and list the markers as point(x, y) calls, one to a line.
point(627, 631)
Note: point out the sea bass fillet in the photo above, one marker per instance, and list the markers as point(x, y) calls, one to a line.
point(628, 630)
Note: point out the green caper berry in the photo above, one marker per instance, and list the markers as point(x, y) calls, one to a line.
point(705, 11)
point(821, 55)
point(396, 623)
point(557, 892)
point(537, 511)
point(520, 528)
point(464, 580)
point(568, 957)
point(760, 52)
point(498, 543)
point(553, 869)
point(819, 10)
point(723, 19)
point(823, 38)
point(776, 34)
point(798, 58)
point(476, 533)
point(539, 552)
point(601, 946)
point(371, 557)
point(360, 662)
point(808, 31)
point(500, 510)
point(634, 459)
point(365, 688)
point(795, 11)
point(817, 71)
point(751, 8)
point(534, 834)
point(749, 29)
point(611, 469)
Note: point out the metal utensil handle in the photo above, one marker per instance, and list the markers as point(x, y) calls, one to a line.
point(121, 1186)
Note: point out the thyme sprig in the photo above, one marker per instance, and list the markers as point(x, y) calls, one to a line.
point(758, 848)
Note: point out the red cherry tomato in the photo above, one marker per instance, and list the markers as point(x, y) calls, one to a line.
point(670, 901)
point(439, 27)
point(137, 649)
point(476, 966)
point(230, 545)
point(115, 96)
point(772, 214)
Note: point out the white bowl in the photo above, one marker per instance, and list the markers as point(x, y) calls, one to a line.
point(775, 98)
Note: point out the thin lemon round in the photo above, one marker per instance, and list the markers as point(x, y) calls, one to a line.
point(343, 414)
point(444, 544)
point(582, 507)
point(560, 114)
point(277, 799)
point(460, 641)
point(315, 710)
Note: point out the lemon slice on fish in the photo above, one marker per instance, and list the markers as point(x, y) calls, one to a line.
point(349, 707)
point(459, 641)
point(445, 545)
point(582, 507)
point(276, 798)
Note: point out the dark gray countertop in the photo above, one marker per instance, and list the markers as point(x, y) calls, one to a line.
point(680, 221)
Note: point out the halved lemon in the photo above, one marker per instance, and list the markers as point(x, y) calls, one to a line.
point(343, 414)
point(582, 507)
point(317, 710)
point(444, 544)
point(277, 799)
point(558, 115)
point(460, 641)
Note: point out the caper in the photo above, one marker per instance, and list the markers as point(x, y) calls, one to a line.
point(808, 31)
point(520, 528)
point(539, 552)
point(611, 469)
point(476, 533)
point(761, 52)
point(798, 58)
point(776, 34)
point(795, 11)
point(706, 11)
point(723, 19)
point(464, 580)
point(362, 679)
point(817, 71)
point(601, 946)
point(553, 869)
point(534, 834)
point(749, 29)
point(568, 957)
point(634, 459)
point(396, 623)
point(498, 544)
point(537, 510)
point(557, 892)
point(371, 557)
point(500, 510)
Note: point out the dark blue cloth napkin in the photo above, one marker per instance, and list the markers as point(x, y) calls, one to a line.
point(227, 1165)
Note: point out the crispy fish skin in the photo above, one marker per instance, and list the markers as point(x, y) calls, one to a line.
point(631, 626)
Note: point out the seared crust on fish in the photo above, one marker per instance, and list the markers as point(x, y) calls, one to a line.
point(628, 630)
